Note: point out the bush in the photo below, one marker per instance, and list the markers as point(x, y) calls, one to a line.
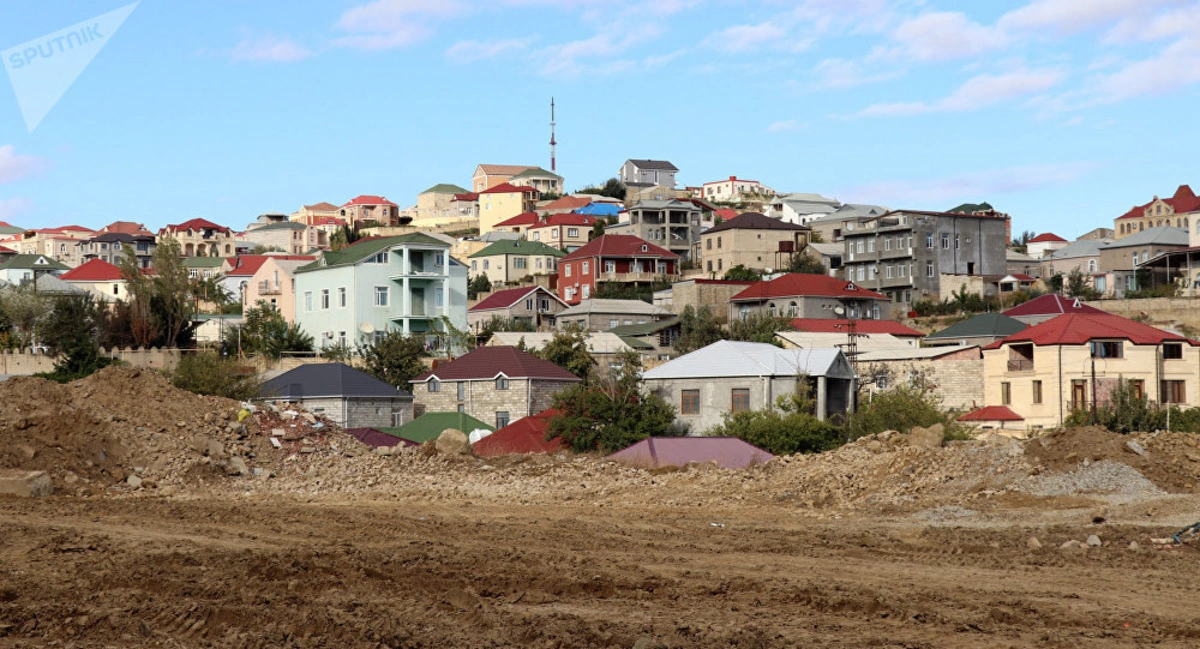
point(207, 373)
point(1124, 412)
point(790, 429)
point(900, 409)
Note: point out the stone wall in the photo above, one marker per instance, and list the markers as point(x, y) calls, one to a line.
point(1161, 311)
point(482, 400)
point(23, 363)
point(959, 383)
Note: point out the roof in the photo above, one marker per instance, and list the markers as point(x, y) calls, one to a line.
point(535, 172)
point(1051, 304)
point(971, 208)
point(828, 249)
point(121, 237)
point(467, 196)
point(508, 188)
point(431, 425)
point(508, 297)
point(660, 165)
point(280, 225)
point(7, 251)
point(646, 328)
point(322, 380)
point(504, 170)
point(996, 325)
point(376, 438)
point(124, 227)
point(598, 342)
point(368, 247)
point(570, 218)
point(620, 245)
point(1081, 248)
point(727, 358)
point(487, 363)
point(247, 265)
point(1046, 237)
point(367, 199)
point(891, 353)
point(445, 188)
point(96, 270)
point(203, 262)
point(8, 228)
point(321, 207)
point(1159, 236)
point(196, 225)
point(600, 209)
point(831, 325)
point(566, 203)
point(518, 247)
point(802, 284)
point(726, 452)
point(754, 221)
point(524, 218)
point(525, 435)
point(31, 262)
point(1081, 328)
point(1184, 200)
point(328, 220)
point(992, 413)
point(616, 307)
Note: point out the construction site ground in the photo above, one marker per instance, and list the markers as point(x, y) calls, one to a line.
point(177, 522)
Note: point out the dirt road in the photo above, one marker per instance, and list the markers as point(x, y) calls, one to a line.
point(275, 571)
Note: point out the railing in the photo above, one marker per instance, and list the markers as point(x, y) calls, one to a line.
point(1020, 365)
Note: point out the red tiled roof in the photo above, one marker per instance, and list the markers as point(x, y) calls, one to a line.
point(247, 265)
point(321, 207)
point(506, 298)
point(725, 213)
point(469, 196)
point(74, 228)
point(526, 435)
point(196, 225)
point(328, 220)
point(620, 245)
point(489, 362)
point(1021, 277)
point(96, 270)
point(507, 188)
point(567, 203)
point(566, 219)
point(805, 284)
point(5, 250)
point(124, 227)
point(992, 413)
point(524, 218)
point(367, 199)
point(1046, 236)
point(1184, 200)
point(830, 325)
point(1050, 304)
point(1081, 328)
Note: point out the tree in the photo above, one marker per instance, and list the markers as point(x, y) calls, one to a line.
point(1077, 286)
point(741, 273)
point(597, 229)
point(25, 312)
point(788, 428)
point(394, 358)
point(1055, 283)
point(807, 264)
point(611, 413)
point(265, 332)
point(72, 332)
point(343, 238)
point(568, 349)
point(206, 372)
point(697, 328)
point(496, 323)
point(758, 328)
point(478, 284)
point(899, 409)
point(162, 307)
point(612, 188)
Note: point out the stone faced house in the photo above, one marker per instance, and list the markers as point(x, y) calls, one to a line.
point(201, 238)
point(534, 306)
point(750, 240)
point(497, 385)
point(350, 397)
point(797, 295)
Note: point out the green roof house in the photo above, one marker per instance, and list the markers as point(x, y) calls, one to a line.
point(983, 329)
point(508, 261)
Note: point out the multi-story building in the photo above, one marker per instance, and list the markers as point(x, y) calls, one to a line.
point(671, 224)
point(1121, 259)
point(51, 242)
point(502, 202)
point(1178, 211)
point(274, 283)
point(648, 173)
point(1045, 243)
point(508, 262)
point(435, 205)
point(308, 214)
point(568, 232)
point(546, 182)
point(613, 258)
point(488, 176)
point(110, 247)
point(751, 240)
point(288, 237)
point(904, 254)
point(200, 238)
point(366, 210)
point(734, 189)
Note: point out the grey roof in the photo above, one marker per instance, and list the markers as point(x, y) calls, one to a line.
point(602, 342)
point(281, 225)
point(1082, 248)
point(1013, 255)
point(828, 249)
point(729, 358)
point(808, 197)
point(660, 204)
point(910, 353)
point(996, 325)
point(321, 380)
point(755, 221)
point(494, 236)
point(851, 211)
point(661, 165)
point(52, 284)
point(805, 207)
point(1163, 236)
point(622, 307)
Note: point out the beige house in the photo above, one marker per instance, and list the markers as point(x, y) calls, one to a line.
point(274, 283)
point(489, 176)
point(1179, 211)
point(370, 209)
point(1074, 361)
point(102, 279)
point(546, 182)
point(1120, 259)
point(308, 214)
point(436, 205)
point(201, 238)
point(289, 237)
point(699, 293)
point(509, 261)
point(52, 244)
point(533, 306)
point(734, 189)
point(568, 232)
point(751, 240)
point(502, 202)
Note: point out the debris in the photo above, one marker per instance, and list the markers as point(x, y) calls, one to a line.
point(1071, 544)
point(1136, 448)
point(453, 442)
point(717, 524)
point(134, 481)
point(1133, 545)
point(276, 443)
point(31, 484)
point(927, 437)
point(1186, 534)
point(1093, 541)
point(1033, 543)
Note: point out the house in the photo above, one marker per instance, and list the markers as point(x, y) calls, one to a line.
point(125, 227)
point(493, 384)
point(1178, 211)
point(671, 224)
point(206, 268)
point(904, 254)
point(602, 345)
point(1082, 256)
point(429, 426)
point(274, 283)
point(829, 254)
point(349, 397)
point(524, 436)
point(994, 418)
point(983, 329)
point(510, 262)
point(55, 243)
point(312, 214)
point(367, 210)
point(546, 182)
point(604, 314)
point(659, 452)
point(1121, 258)
point(519, 223)
point(502, 202)
point(1074, 361)
point(99, 277)
point(734, 190)
point(1046, 307)
point(288, 237)
point(797, 295)
point(435, 205)
point(613, 258)
point(489, 176)
point(1044, 244)
point(110, 247)
point(406, 283)
point(238, 272)
point(751, 240)
point(952, 374)
point(8, 228)
point(533, 306)
point(866, 335)
point(200, 238)
point(729, 376)
point(27, 268)
point(655, 339)
point(1021, 263)
point(568, 232)
point(832, 226)
point(465, 206)
point(1097, 233)
point(565, 204)
point(800, 208)
point(643, 173)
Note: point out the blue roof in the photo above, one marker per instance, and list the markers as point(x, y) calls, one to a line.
point(599, 209)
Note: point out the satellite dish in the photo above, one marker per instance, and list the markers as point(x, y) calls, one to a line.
point(839, 311)
point(366, 328)
point(769, 270)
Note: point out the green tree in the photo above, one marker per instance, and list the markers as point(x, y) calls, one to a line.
point(343, 238)
point(1126, 410)
point(697, 328)
point(206, 372)
point(789, 428)
point(265, 332)
point(1055, 283)
point(612, 412)
point(806, 264)
point(496, 323)
point(72, 333)
point(597, 229)
point(568, 349)
point(25, 312)
point(741, 273)
point(162, 306)
point(394, 358)
point(1077, 286)
point(478, 284)
point(899, 409)
point(758, 328)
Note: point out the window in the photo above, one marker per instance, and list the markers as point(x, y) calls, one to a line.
point(462, 390)
point(945, 241)
point(439, 297)
point(587, 291)
point(381, 296)
point(501, 418)
point(1078, 394)
point(573, 232)
point(871, 244)
point(689, 402)
point(474, 264)
point(1172, 351)
point(740, 399)
point(718, 242)
point(434, 385)
point(929, 269)
point(519, 262)
point(1107, 349)
point(1037, 391)
point(929, 240)
point(890, 270)
point(308, 300)
point(1005, 393)
point(485, 264)
point(613, 323)
point(708, 244)
point(956, 242)
point(341, 297)
point(1091, 265)
point(587, 267)
point(887, 243)
point(502, 383)
point(324, 298)
point(1174, 392)
point(610, 266)
point(862, 273)
point(568, 272)
point(861, 246)
point(1138, 387)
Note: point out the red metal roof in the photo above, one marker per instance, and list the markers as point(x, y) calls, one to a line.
point(367, 199)
point(74, 228)
point(1021, 277)
point(1046, 236)
point(485, 363)
point(726, 452)
point(506, 298)
point(793, 284)
point(1050, 304)
point(524, 218)
point(96, 270)
point(508, 188)
point(567, 203)
point(196, 225)
point(566, 219)
point(620, 245)
point(469, 196)
point(526, 435)
point(1081, 328)
point(992, 413)
point(125, 227)
point(328, 220)
point(247, 265)
point(6, 250)
point(829, 325)
point(1184, 200)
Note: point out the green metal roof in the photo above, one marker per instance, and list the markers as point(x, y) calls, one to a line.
point(645, 328)
point(29, 261)
point(430, 425)
point(537, 172)
point(445, 188)
point(519, 247)
point(366, 248)
point(11, 229)
point(203, 262)
point(970, 208)
point(984, 324)
point(283, 225)
point(636, 343)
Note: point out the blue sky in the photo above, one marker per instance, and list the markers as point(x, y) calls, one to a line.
point(1063, 113)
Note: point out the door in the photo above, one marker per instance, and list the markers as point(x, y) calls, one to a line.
point(1078, 395)
point(417, 297)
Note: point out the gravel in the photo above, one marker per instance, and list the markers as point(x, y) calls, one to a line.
point(1104, 477)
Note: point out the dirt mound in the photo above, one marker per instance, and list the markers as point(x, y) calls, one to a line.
point(1170, 460)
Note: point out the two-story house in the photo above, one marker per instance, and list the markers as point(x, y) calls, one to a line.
point(367, 210)
point(288, 237)
point(648, 173)
point(546, 182)
point(434, 205)
point(751, 240)
point(671, 224)
point(487, 176)
point(533, 306)
point(102, 279)
point(568, 232)
point(200, 238)
point(734, 189)
point(406, 283)
point(615, 258)
point(1179, 211)
point(274, 283)
point(237, 272)
point(503, 202)
point(16, 269)
point(310, 214)
point(1121, 258)
point(508, 262)
point(110, 247)
point(798, 295)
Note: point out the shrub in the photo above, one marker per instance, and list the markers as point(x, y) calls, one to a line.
point(789, 429)
point(1124, 412)
point(210, 374)
point(900, 409)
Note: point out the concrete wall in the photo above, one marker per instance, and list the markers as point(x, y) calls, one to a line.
point(1170, 311)
point(958, 382)
point(715, 296)
point(482, 400)
point(20, 363)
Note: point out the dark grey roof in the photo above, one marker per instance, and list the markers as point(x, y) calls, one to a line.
point(754, 221)
point(985, 324)
point(1160, 236)
point(661, 165)
point(328, 380)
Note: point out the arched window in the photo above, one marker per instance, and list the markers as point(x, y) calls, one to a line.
point(793, 310)
point(771, 309)
point(1145, 256)
point(1091, 265)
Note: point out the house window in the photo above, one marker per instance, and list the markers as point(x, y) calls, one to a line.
point(861, 245)
point(929, 269)
point(324, 298)
point(887, 243)
point(718, 242)
point(613, 323)
point(474, 264)
point(956, 242)
point(381, 296)
point(1171, 351)
point(871, 244)
point(568, 269)
point(502, 383)
point(740, 399)
point(1091, 265)
point(1005, 393)
point(501, 418)
point(929, 240)
point(587, 291)
point(518, 262)
point(708, 244)
point(610, 266)
point(689, 402)
point(308, 300)
point(1174, 392)
point(1078, 394)
point(485, 264)
point(1037, 391)
point(341, 297)
point(945, 241)
point(586, 267)
point(462, 390)
point(1107, 349)
point(439, 297)
point(434, 385)
point(572, 232)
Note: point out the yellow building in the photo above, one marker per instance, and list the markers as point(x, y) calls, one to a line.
point(1178, 211)
point(503, 202)
point(750, 240)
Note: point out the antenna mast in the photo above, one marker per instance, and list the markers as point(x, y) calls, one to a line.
point(553, 161)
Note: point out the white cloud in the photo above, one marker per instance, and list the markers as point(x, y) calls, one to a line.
point(466, 51)
point(978, 92)
point(843, 73)
point(391, 24)
point(267, 48)
point(784, 126)
point(597, 54)
point(1156, 26)
point(1071, 16)
point(14, 167)
point(971, 186)
point(13, 207)
point(943, 36)
point(744, 38)
point(1178, 65)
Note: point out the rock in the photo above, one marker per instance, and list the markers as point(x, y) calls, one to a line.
point(1093, 541)
point(383, 450)
point(237, 466)
point(134, 481)
point(309, 417)
point(1133, 545)
point(875, 446)
point(453, 442)
point(257, 471)
point(927, 437)
point(1033, 543)
point(1071, 544)
point(213, 449)
point(26, 451)
point(30, 484)
point(1136, 448)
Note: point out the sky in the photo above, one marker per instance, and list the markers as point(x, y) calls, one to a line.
point(1063, 113)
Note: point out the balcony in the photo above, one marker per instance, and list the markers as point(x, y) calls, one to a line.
point(265, 288)
point(1020, 365)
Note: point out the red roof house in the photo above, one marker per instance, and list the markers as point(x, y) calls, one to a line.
point(519, 222)
point(1082, 328)
point(508, 188)
point(530, 304)
point(618, 258)
point(800, 295)
point(991, 413)
point(247, 265)
point(1047, 237)
point(195, 225)
point(367, 199)
point(565, 204)
point(96, 270)
point(1045, 307)
point(1184, 200)
point(828, 325)
point(525, 436)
